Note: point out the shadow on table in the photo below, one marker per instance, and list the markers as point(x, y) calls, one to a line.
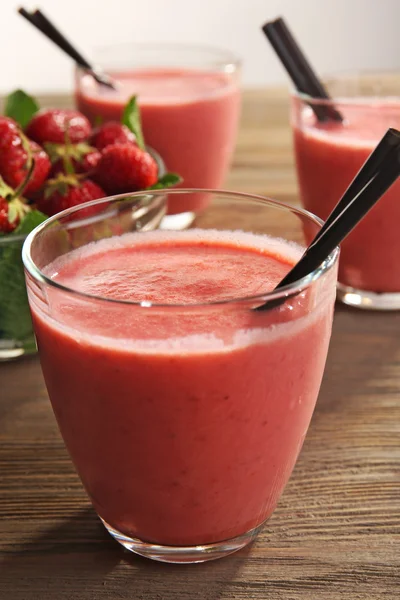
point(79, 560)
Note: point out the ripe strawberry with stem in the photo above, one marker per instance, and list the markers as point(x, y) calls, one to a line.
point(16, 151)
point(12, 208)
point(125, 168)
point(72, 158)
point(15, 161)
point(66, 191)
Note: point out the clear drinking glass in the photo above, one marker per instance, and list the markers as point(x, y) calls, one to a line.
point(184, 421)
point(190, 103)
point(328, 156)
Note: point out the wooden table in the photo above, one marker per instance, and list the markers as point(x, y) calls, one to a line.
point(335, 533)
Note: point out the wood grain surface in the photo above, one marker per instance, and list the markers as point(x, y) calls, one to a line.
point(336, 532)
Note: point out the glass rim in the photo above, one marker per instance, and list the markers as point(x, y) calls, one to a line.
point(226, 56)
point(21, 237)
point(343, 100)
point(283, 292)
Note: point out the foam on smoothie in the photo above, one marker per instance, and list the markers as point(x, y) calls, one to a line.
point(91, 269)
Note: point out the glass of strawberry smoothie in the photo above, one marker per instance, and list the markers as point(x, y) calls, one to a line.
point(328, 156)
point(182, 407)
point(190, 103)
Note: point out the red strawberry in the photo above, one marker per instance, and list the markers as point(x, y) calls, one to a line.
point(66, 191)
point(111, 132)
point(8, 129)
point(52, 125)
point(125, 168)
point(89, 162)
point(14, 164)
point(7, 223)
point(12, 209)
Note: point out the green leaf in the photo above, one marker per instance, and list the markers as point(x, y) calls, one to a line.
point(131, 118)
point(31, 220)
point(166, 181)
point(98, 120)
point(21, 107)
point(15, 319)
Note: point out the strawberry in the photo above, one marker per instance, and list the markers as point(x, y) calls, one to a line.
point(52, 125)
point(89, 162)
point(12, 209)
point(6, 224)
point(125, 168)
point(15, 164)
point(8, 129)
point(111, 132)
point(66, 191)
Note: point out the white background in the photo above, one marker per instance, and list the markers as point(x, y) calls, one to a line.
point(336, 34)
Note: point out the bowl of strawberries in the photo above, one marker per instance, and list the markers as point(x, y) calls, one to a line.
point(52, 160)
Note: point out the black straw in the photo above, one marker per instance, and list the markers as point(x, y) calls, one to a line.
point(378, 173)
point(299, 69)
point(45, 26)
point(371, 167)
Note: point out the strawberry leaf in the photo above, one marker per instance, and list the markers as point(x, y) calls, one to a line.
point(5, 190)
point(31, 220)
point(80, 150)
point(131, 118)
point(12, 212)
point(75, 151)
point(166, 181)
point(21, 107)
point(54, 151)
point(60, 184)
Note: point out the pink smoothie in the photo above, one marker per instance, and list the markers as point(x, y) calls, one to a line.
point(328, 157)
point(189, 116)
point(183, 423)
